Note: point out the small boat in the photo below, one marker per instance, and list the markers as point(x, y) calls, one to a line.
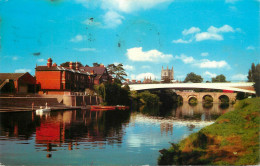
point(43, 110)
point(106, 108)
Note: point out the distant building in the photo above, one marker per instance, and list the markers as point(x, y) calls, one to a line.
point(147, 80)
point(101, 73)
point(55, 79)
point(17, 83)
point(167, 74)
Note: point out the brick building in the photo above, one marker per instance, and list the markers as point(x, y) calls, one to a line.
point(101, 73)
point(17, 83)
point(55, 79)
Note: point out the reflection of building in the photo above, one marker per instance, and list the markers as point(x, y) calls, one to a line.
point(167, 74)
point(55, 79)
point(166, 127)
point(17, 83)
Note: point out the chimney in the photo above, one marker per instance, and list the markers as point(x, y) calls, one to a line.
point(54, 64)
point(101, 65)
point(77, 66)
point(49, 62)
point(71, 65)
point(139, 81)
point(133, 81)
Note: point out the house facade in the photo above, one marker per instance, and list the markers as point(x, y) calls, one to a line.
point(55, 79)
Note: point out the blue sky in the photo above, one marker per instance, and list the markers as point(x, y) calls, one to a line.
point(208, 37)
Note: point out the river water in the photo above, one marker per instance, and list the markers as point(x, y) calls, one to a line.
point(97, 138)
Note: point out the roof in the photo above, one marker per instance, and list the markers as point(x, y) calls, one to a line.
point(59, 68)
point(97, 70)
point(11, 76)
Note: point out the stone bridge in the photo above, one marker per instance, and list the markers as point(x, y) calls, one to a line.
point(186, 96)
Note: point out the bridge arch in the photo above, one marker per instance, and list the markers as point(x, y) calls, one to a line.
point(207, 98)
point(224, 98)
point(193, 99)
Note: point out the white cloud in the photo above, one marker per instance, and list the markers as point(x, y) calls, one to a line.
point(205, 63)
point(239, 77)
point(212, 33)
point(78, 38)
point(129, 67)
point(22, 70)
point(190, 31)
point(142, 75)
point(185, 59)
point(204, 54)
point(112, 19)
point(84, 49)
point(223, 29)
point(131, 5)
point(250, 48)
point(209, 74)
point(137, 54)
point(208, 36)
point(182, 41)
point(41, 60)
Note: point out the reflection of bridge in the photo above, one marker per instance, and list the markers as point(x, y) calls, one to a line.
point(246, 87)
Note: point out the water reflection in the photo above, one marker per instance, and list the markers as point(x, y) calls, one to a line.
point(110, 137)
point(186, 111)
point(65, 128)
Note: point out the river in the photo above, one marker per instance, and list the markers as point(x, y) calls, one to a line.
point(97, 138)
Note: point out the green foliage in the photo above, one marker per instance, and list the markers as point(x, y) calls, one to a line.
point(192, 77)
point(67, 64)
point(241, 95)
point(219, 78)
point(255, 77)
point(224, 99)
point(95, 64)
point(117, 71)
point(232, 140)
point(113, 93)
point(149, 98)
point(208, 99)
point(193, 100)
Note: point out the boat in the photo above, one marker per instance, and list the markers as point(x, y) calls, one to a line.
point(106, 108)
point(43, 110)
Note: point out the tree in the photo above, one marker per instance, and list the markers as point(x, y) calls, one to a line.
point(219, 78)
point(117, 71)
point(95, 64)
point(250, 73)
point(67, 64)
point(254, 76)
point(192, 77)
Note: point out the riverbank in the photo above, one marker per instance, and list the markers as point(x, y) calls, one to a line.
point(233, 140)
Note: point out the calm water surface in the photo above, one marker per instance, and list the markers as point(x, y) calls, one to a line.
point(97, 138)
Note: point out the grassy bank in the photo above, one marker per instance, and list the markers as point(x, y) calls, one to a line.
point(233, 139)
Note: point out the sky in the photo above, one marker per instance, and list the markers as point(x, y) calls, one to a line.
point(207, 37)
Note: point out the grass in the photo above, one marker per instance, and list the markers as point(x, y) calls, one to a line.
point(232, 140)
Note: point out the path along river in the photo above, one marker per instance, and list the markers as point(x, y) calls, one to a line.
point(97, 138)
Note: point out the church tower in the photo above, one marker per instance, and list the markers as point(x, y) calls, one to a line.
point(167, 74)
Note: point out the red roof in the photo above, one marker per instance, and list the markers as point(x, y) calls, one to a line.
point(97, 70)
